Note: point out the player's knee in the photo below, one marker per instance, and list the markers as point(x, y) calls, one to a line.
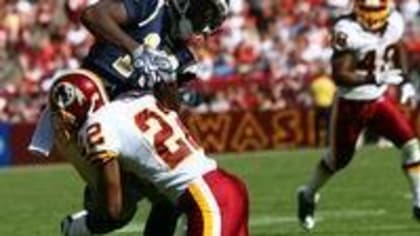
point(410, 152)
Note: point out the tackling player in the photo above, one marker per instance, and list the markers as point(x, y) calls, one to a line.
point(137, 40)
point(368, 56)
point(139, 134)
point(95, 219)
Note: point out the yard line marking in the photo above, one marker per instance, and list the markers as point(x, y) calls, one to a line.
point(267, 220)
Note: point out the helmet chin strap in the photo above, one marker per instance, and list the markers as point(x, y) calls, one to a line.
point(184, 27)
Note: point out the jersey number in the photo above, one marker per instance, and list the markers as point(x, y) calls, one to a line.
point(169, 145)
point(123, 66)
point(94, 138)
point(369, 61)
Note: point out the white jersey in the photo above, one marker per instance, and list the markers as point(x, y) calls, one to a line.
point(150, 141)
point(374, 51)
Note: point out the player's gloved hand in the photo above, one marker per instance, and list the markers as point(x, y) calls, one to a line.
point(393, 76)
point(153, 66)
point(408, 92)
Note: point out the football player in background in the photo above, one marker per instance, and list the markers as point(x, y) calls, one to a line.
point(368, 56)
point(139, 134)
point(136, 40)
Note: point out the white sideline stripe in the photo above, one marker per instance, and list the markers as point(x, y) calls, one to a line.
point(267, 220)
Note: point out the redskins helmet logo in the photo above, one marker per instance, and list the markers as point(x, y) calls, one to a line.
point(65, 94)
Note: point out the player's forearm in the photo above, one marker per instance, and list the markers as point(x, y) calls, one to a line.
point(111, 187)
point(345, 72)
point(351, 79)
point(104, 26)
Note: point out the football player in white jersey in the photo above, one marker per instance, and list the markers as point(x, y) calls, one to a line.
point(368, 56)
point(95, 218)
point(140, 135)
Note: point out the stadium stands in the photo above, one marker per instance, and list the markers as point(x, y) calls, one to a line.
point(264, 57)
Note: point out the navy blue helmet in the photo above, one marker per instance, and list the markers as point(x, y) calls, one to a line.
point(198, 16)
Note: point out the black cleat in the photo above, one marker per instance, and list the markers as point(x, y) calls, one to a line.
point(306, 209)
point(416, 213)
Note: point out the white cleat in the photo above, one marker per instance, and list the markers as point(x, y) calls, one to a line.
point(308, 223)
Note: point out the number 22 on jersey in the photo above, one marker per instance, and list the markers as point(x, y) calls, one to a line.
point(171, 140)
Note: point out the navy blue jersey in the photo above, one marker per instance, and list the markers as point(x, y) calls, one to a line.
point(148, 24)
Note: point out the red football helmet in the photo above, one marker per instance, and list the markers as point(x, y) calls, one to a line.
point(77, 93)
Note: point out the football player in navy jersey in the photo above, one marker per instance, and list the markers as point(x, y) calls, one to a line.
point(137, 44)
point(136, 38)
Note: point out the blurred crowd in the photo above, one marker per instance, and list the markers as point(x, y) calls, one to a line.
point(267, 55)
point(37, 38)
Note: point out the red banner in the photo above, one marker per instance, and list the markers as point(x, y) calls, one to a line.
point(245, 131)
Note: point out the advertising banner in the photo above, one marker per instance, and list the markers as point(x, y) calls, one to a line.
point(20, 137)
point(250, 131)
point(4, 144)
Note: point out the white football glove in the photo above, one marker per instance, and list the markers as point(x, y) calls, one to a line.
point(408, 92)
point(393, 76)
point(153, 66)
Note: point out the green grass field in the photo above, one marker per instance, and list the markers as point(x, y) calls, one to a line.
point(369, 198)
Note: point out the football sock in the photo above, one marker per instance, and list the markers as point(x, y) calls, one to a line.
point(411, 167)
point(413, 174)
point(319, 177)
